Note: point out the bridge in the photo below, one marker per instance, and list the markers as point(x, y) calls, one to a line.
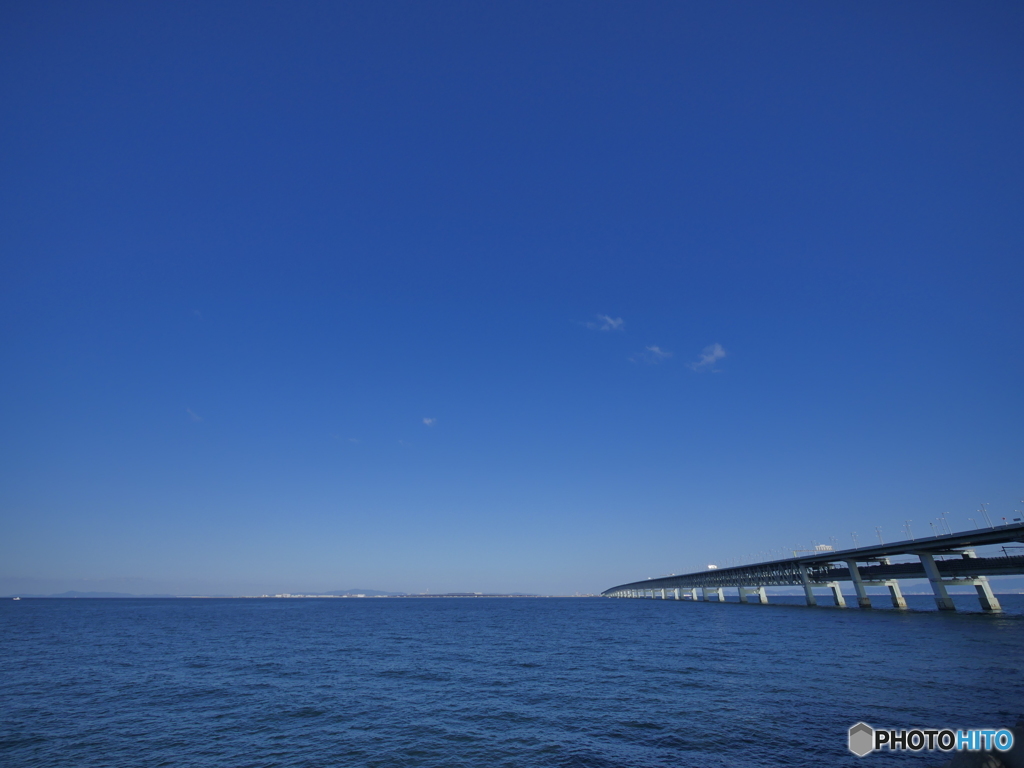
point(945, 560)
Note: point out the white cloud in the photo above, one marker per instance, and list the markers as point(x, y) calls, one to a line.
point(606, 323)
point(193, 415)
point(430, 421)
point(711, 355)
point(652, 354)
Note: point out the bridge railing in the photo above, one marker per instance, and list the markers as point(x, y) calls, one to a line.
point(864, 566)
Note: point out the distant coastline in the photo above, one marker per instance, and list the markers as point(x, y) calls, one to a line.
point(325, 595)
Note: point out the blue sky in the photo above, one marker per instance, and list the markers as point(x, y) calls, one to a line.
point(529, 296)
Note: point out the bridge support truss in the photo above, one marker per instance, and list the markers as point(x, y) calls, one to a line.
point(947, 560)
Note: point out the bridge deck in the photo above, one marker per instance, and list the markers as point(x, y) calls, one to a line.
point(946, 559)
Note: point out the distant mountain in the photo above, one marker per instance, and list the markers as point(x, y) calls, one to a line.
point(366, 592)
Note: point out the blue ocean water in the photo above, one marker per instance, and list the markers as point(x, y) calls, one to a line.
point(488, 682)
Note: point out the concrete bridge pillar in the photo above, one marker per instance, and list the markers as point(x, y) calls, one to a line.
point(837, 594)
point(663, 597)
point(808, 592)
point(942, 598)
point(679, 593)
point(898, 600)
point(858, 584)
point(746, 592)
point(693, 594)
point(985, 597)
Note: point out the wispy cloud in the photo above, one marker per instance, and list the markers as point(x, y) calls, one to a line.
point(711, 355)
point(652, 354)
point(606, 323)
point(429, 421)
point(193, 415)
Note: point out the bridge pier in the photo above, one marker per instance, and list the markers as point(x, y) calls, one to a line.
point(942, 598)
point(837, 594)
point(808, 592)
point(746, 592)
point(985, 597)
point(679, 593)
point(863, 600)
point(714, 590)
point(898, 601)
point(663, 597)
point(895, 594)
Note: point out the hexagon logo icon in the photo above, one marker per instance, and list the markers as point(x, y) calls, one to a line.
point(862, 739)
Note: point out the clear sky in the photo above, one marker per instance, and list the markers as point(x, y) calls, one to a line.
point(512, 296)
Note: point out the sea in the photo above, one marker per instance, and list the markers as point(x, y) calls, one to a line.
point(490, 682)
